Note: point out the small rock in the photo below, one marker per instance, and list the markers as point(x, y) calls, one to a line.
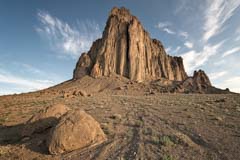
point(220, 100)
point(116, 116)
point(219, 118)
point(90, 95)
point(83, 93)
point(120, 88)
point(25, 139)
point(238, 109)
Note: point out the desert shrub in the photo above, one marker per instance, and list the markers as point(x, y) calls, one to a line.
point(167, 157)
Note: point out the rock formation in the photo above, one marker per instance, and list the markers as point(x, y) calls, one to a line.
point(126, 49)
point(76, 130)
point(198, 83)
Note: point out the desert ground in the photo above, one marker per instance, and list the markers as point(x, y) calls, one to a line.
point(141, 121)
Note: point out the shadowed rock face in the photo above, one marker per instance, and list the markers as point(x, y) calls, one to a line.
point(200, 78)
point(198, 83)
point(126, 49)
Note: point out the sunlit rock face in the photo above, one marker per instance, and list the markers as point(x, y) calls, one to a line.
point(126, 49)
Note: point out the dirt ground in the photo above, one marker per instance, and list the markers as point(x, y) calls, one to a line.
point(140, 122)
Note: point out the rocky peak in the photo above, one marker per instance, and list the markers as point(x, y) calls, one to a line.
point(121, 13)
point(198, 83)
point(126, 49)
point(200, 77)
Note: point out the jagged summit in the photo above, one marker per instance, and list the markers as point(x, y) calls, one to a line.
point(126, 49)
point(122, 13)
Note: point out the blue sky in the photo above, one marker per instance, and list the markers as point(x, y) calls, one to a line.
point(41, 40)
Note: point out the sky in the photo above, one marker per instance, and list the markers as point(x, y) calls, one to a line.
point(41, 40)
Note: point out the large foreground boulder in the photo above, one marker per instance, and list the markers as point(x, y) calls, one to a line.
point(44, 119)
point(76, 130)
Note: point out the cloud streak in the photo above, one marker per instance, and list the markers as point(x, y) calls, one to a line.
point(232, 83)
point(216, 15)
point(188, 44)
point(29, 79)
point(28, 84)
point(165, 27)
point(169, 50)
point(169, 31)
point(231, 51)
point(194, 59)
point(183, 34)
point(65, 39)
point(217, 75)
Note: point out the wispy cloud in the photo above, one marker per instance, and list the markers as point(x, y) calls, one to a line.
point(215, 16)
point(169, 31)
point(169, 50)
point(231, 51)
point(218, 12)
point(188, 44)
point(162, 25)
point(28, 84)
point(232, 83)
point(217, 75)
point(31, 69)
point(182, 5)
point(66, 39)
point(28, 78)
point(218, 63)
point(183, 34)
point(165, 27)
point(238, 34)
point(194, 59)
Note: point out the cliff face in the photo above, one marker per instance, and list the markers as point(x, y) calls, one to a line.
point(126, 49)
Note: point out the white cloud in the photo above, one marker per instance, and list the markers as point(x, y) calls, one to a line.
point(232, 83)
point(217, 75)
point(66, 39)
point(188, 44)
point(218, 12)
point(29, 79)
point(183, 5)
point(183, 34)
point(169, 31)
point(169, 50)
point(194, 59)
point(229, 52)
point(162, 25)
point(165, 27)
point(177, 49)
